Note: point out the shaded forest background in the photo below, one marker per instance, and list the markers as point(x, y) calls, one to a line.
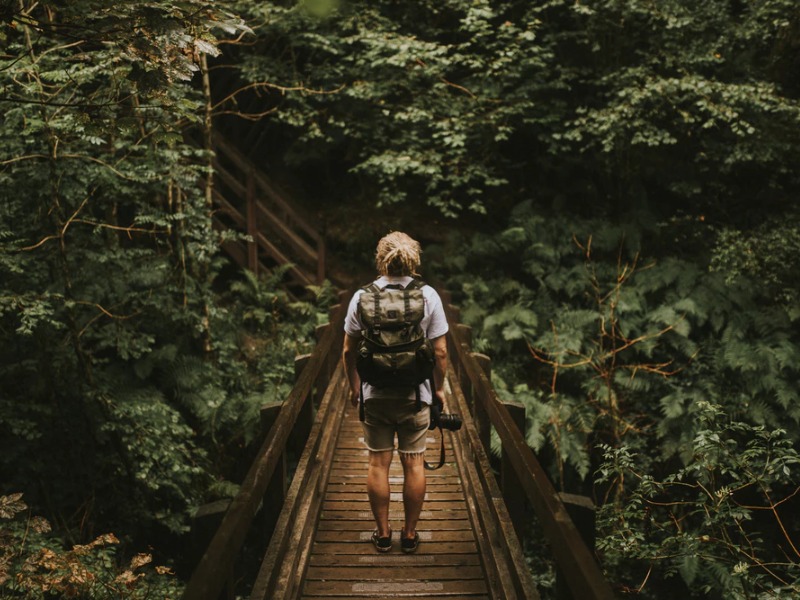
point(609, 189)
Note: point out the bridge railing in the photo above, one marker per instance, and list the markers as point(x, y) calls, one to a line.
point(520, 470)
point(264, 486)
point(286, 559)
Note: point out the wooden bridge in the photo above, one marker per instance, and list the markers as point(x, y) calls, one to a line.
point(317, 542)
point(302, 508)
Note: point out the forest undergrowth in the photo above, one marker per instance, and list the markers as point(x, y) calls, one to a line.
point(662, 387)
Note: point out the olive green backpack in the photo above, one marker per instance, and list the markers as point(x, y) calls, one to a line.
point(393, 350)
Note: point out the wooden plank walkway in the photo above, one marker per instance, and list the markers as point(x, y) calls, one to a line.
point(343, 562)
point(320, 546)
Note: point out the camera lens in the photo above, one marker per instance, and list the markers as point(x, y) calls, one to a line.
point(450, 422)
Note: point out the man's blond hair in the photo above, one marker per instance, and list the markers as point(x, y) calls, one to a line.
point(397, 255)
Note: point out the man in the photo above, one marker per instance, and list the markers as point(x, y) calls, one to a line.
point(391, 410)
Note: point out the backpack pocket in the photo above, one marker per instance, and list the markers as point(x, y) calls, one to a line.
point(408, 366)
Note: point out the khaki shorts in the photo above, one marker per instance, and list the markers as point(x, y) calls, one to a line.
point(383, 417)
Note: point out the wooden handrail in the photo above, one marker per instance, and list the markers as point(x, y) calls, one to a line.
point(585, 579)
point(262, 241)
point(273, 210)
point(285, 561)
point(211, 573)
point(309, 254)
point(243, 163)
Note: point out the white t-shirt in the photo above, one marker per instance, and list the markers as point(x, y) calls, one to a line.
point(434, 324)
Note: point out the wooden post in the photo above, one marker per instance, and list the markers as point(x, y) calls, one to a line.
point(305, 418)
point(513, 492)
point(252, 224)
point(276, 489)
point(205, 522)
point(582, 512)
point(333, 310)
point(466, 383)
point(465, 331)
point(322, 379)
point(300, 362)
point(334, 356)
point(478, 409)
point(485, 363)
point(463, 336)
point(456, 313)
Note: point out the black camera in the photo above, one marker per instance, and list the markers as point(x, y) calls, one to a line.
point(450, 422)
point(447, 421)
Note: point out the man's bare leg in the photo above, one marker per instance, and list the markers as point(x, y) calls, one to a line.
point(378, 489)
point(413, 489)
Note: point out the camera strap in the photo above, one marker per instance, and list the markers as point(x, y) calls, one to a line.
point(436, 411)
point(429, 466)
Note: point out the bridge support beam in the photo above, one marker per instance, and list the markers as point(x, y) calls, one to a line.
point(510, 484)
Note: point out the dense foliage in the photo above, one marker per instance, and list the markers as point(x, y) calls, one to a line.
point(664, 391)
point(612, 187)
point(596, 106)
point(131, 370)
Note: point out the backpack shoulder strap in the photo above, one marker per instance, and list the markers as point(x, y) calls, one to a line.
point(375, 290)
point(416, 284)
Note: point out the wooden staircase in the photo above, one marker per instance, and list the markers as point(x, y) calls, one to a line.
point(248, 202)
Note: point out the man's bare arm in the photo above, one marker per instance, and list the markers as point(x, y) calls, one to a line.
point(349, 360)
point(440, 367)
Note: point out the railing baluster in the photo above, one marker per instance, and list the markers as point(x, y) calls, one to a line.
point(465, 331)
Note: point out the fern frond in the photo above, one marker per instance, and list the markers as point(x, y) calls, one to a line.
point(673, 405)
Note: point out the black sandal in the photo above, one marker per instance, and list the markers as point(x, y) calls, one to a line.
point(409, 545)
point(382, 544)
